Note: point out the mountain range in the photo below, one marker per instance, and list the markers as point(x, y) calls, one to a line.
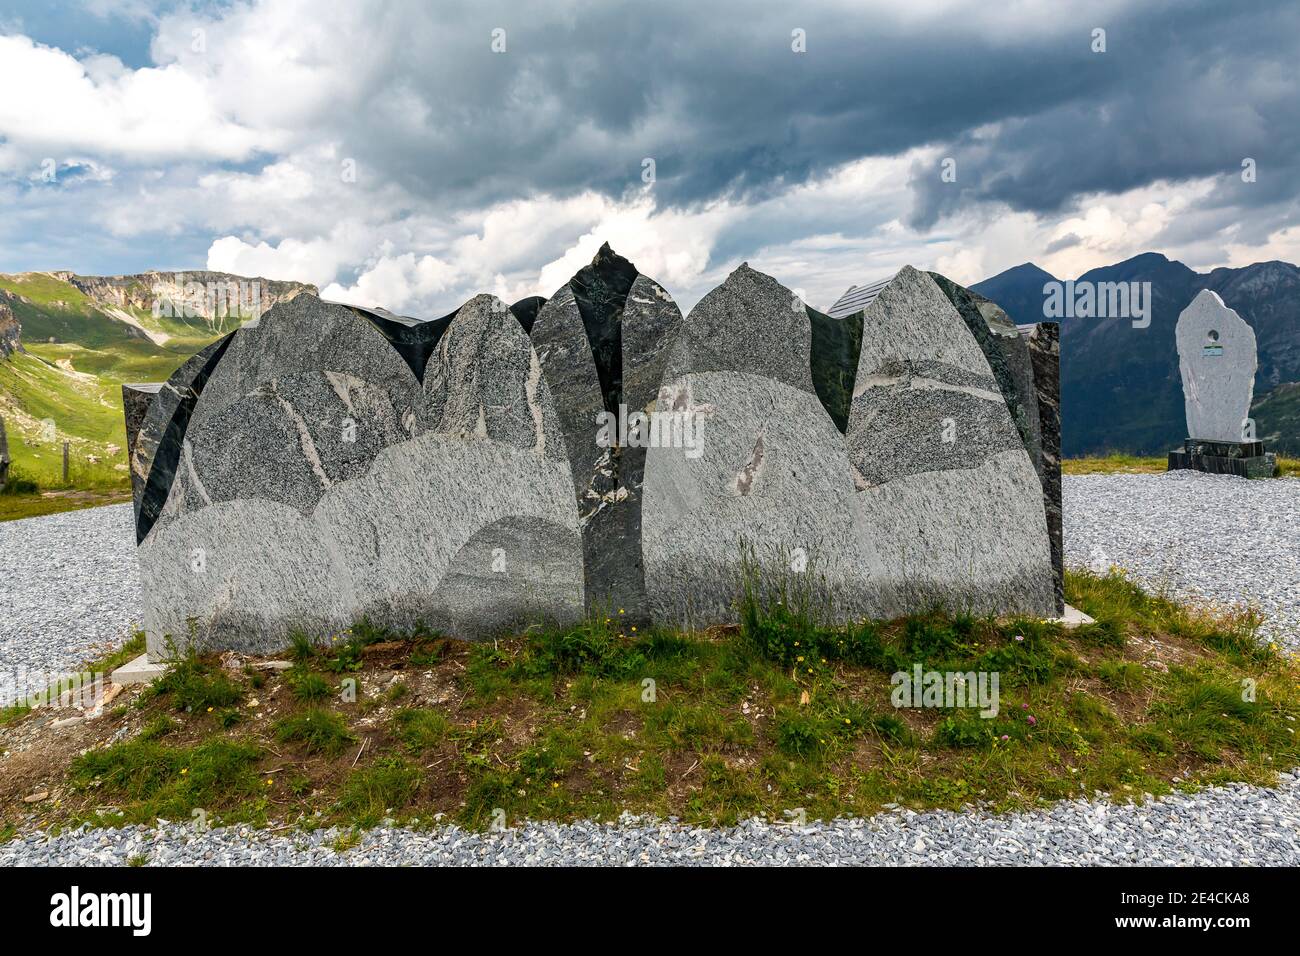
point(1120, 385)
point(68, 342)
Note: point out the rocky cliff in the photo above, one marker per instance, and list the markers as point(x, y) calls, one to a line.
point(207, 295)
point(9, 332)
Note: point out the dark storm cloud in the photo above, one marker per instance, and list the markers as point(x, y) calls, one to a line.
point(715, 95)
point(1181, 92)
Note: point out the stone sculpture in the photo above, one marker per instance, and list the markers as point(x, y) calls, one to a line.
point(596, 453)
point(1217, 359)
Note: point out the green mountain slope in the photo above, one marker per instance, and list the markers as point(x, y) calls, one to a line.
point(82, 338)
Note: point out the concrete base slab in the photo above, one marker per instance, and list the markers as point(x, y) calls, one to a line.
point(138, 671)
point(1072, 618)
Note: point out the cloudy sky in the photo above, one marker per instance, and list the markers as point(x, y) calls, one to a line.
point(410, 153)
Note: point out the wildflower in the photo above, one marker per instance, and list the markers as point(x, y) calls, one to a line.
point(1006, 737)
point(1020, 637)
point(1032, 721)
point(185, 771)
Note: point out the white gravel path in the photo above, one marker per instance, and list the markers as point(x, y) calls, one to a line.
point(69, 591)
point(1226, 826)
point(1215, 538)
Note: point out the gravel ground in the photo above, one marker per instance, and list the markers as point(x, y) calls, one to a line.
point(69, 591)
point(1228, 826)
point(1216, 538)
point(70, 587)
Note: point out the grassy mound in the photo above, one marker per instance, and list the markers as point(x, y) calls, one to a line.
point(780, 716)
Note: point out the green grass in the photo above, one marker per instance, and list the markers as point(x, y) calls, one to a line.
point(788, 713)
point(196, 685)
point(67, 386)
point(1139, 465)
point(149, 779)
point(317, 730)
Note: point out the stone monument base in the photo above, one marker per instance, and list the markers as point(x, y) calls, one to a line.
point(1246, 459)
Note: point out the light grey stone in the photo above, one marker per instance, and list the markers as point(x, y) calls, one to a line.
point(484, 496)
point(750, 323)
point(651, 324)
point(138, 670)
point(1217, 359)
point(308, 335)
point(769, 476)
point(946, 487)
point(485, 382)
point(772, 481)
point(241, 575)
point(407, 525)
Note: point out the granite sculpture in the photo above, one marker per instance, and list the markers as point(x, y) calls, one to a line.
point(1217, 359)
point(596, 453)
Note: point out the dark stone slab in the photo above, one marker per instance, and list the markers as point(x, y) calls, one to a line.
point(612, 523)
point(1044, 342)
point(1243, 459)
point(160, 438)
point(136, 399)
point(525, 310)
point(413, 339)
point(600, 290)
point(836, 344)
point(1224, 449)
point(602, 340)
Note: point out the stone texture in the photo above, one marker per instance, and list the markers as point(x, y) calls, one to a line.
point(772, 477)
point(138, 671)
point(1044, 342)
point(1008, 356)
point(1246, 459)
point(241, 575)
point(946, 486)
point(302, 400)
point(423, 525)
point(10, 332)
point(329, 462)
point(750, 323)
point(836, 343)
point(1217, 359)
point(603, 341)
point(136, 399)
point(158, 443)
